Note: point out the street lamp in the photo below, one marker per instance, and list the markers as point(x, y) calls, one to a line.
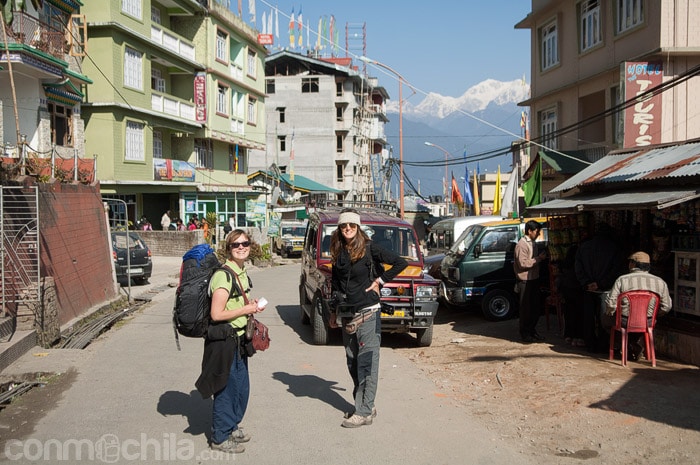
point(401, 81)
point(430, 144)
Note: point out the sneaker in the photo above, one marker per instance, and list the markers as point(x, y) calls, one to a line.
point(349, 414)
point(229, 446)
point(239, 436)
point(356, 421)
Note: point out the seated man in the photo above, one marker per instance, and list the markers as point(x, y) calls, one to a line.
point(638, 278)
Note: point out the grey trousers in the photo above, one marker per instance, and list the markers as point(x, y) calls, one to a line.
point(362, 354)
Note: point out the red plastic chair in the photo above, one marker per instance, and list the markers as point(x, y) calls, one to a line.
point(637, 322)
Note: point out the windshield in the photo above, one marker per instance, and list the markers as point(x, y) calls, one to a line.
point(465, 240)
point(398, 239)
point(293, 230)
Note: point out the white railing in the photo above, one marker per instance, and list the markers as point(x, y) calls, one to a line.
point(236, 71)
point(237, 127)
point(171, 106)
point(172, 42)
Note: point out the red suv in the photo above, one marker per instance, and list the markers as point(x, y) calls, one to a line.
point(412, 295)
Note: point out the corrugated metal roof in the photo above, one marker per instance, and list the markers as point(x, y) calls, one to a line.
point(644, 164)
point(617, 201)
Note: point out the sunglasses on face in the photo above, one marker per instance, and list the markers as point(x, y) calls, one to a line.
point(236, 245)
point(347, 225)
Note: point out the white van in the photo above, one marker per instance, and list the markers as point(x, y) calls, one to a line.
point(444, 233)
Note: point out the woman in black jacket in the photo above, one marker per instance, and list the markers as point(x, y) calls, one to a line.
point(356, 303)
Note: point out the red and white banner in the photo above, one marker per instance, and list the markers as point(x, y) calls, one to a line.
point(200, 97)
point(643, 119)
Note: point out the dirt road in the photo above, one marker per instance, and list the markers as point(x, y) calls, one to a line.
point(559, 402)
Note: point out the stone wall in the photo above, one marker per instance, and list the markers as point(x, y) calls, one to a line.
point(171, 243)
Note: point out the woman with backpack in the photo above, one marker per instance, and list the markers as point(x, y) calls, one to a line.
point(224, 354)
point(357, 276)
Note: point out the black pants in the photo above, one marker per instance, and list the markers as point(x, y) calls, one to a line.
point(529, 292)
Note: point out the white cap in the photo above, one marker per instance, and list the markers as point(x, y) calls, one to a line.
point(349, 217)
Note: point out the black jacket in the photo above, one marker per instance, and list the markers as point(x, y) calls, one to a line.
point(352, 279)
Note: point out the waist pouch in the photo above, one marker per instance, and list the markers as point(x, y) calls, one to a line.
point(351, 325)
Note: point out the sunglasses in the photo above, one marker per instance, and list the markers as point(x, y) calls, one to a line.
point(236, 245)
point(347, 225)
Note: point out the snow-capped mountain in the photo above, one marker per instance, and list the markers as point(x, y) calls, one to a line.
point(475, 99)
point(456, 124)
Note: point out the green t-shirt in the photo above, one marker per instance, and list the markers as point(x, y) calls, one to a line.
point(220, 280)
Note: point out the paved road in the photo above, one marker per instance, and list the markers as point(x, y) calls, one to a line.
point(130, 397)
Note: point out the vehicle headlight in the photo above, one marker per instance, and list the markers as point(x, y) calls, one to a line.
point(426, 292)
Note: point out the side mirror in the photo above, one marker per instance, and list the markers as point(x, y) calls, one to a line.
point(477, 250)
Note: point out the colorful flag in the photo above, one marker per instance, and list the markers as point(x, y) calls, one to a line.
point(477, 203)
point(532, 188)
point(235, 161)
point(277, 23)
point(264, 23)
point(251, 10)
point(510, 196)
point(456, 194)
point(497, 194)
point(300, 28)
point(318, 33)
point(292, 23)
point(523, 120)
point(467, 190)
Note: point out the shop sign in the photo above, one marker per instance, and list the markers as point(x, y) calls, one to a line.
point(265, 39)
point(200, 97)
point(173, 170)
point(643, 119)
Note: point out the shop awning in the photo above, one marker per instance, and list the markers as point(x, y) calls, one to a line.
point(614, 201)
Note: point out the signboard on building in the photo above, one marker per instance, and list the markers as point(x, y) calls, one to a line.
point(266, 39)
point(172, 170)
point(643, 119)
point(200, 97)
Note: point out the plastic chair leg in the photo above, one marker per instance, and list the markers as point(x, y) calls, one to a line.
point(624, 347)
point(612, 343)
point(650, 347)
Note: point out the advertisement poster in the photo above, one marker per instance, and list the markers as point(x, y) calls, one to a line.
point(173, 170)
point(643, 119)
point(200, 97)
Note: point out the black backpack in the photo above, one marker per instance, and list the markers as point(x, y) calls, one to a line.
point(191, 314)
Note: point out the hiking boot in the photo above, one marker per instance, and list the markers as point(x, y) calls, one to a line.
point(239, 436)
point(349, 414)
point(356, 421)
point(229, 446)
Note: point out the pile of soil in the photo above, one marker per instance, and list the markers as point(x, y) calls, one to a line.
point(552, 400)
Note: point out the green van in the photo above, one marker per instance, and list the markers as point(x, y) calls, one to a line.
point(478, 268)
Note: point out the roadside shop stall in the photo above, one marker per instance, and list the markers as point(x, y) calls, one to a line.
point(636, 193)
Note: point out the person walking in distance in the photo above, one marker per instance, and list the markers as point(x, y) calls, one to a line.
point(527, 271)
point(165, 221)
point(225, 363)
point(357, 275)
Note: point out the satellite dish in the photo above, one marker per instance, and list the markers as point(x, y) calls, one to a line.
point(275, 195)
point(297, 195)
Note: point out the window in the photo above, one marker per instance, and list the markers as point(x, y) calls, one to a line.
point(339, 114)
point(157, 81)
point(134, 141)
point(282, 143)
point(339, 89)
point(281, 111)
point(237, 159)
point(221, 40)
point(204, 153)
point(630, 13)
point(270, 86)
point(252, 64)
point(339, 172)
point(591, 29)
point(61, 124)
point(548, 127)
point(132, 8)
point(549, 54)
point(157, 144)
point(498, 240)
point(309, 85)
point(53, 16)
point(133, 68)
point(155, 15)
point(252, 110)
point(339, 143)
point(222, 99)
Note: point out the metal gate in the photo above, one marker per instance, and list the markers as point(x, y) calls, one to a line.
point(20, 286)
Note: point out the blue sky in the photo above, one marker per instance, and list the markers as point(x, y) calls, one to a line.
point(442, 46)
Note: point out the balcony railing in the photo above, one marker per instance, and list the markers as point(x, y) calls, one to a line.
point(28, 30)
point(172, 42)
point(171, 106)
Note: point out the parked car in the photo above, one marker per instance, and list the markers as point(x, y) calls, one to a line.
point(290, 240)
point(137, 264)
point(478, 268)
point(411, 298)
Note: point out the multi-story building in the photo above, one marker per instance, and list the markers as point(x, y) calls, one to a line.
point(177, 107)
point(42, 86)
point(590, 56)
point(325, 121)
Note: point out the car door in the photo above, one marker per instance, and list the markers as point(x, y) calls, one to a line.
point(492, 257)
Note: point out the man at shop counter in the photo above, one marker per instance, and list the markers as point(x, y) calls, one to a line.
point(527, 270)
point(638, 278)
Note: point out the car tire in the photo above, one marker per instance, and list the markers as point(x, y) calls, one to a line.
point(303, 302)
point(320, 330)
point(424, 336)
point(284, 252)
point(498, 305)
point(141, 281)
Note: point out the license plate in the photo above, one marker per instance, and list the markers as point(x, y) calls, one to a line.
point(397, 314)
point(136, 270)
